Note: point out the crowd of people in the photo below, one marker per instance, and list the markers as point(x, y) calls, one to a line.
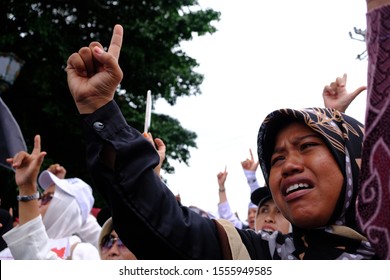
point(324, 196)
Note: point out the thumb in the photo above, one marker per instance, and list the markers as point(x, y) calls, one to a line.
point(109, 61)
point(100, 55)
point(358, 91)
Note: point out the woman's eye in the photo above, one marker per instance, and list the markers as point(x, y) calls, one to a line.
point(263, 210)
point(308, 145)
point(274, 160)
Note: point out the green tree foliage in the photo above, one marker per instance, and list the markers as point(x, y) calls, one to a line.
point(44, 33)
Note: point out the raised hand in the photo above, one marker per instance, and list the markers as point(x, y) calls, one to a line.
point(160, 147)
point(57, 170)
point(336, 96)
point(94, 74)
point(27, 167)
point(250, 163)
point(221, 176)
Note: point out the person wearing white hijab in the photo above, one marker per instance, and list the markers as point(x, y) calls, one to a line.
point(69, 212)
point(57, 225)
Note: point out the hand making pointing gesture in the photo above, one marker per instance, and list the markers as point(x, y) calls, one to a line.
point(94, 74)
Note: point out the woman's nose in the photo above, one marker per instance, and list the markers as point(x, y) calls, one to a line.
point(269, 219)
point(114, 250)
point(293, 164)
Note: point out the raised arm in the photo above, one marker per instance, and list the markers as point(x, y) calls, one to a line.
point(121, 162)
point(27, 167)
point(250, 166)
point(221, 176)
point(224, 210)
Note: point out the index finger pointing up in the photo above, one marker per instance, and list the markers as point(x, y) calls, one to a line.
point(37, 144)
point(250, 151)
point(116, 41)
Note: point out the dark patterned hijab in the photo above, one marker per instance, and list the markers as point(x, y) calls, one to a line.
point(344, 138)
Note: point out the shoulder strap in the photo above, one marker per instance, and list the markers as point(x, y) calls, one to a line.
point(72, 249)
point(231, 243)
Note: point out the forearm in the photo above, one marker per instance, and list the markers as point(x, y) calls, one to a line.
point(222, 193)
point(226, 213)
point(28, 210)
point(145, 212)
point(251, 179)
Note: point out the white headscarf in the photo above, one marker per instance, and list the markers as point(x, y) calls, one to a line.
point(63, 216)
point(69, 211)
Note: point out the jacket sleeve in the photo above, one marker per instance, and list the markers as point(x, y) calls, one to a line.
point(145, 212)
point(225, 212)
point(30, 241)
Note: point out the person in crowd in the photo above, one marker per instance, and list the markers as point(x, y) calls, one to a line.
point(263, 214)
point(309, 158)
point(224, 210)
point(55, 217)
point(268, 216)
point(249, 167)
point(110, 246)
point(49, 224)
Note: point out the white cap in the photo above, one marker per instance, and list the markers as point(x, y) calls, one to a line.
point(75, 187)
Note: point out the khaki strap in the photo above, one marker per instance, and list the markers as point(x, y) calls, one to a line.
point(223, 241)
point(70, 257)
point(238, 250)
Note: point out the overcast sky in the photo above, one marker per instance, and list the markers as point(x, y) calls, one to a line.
point(265, 55)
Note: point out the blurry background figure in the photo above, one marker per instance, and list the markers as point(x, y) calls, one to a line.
point(268, 216)
point(110, 246)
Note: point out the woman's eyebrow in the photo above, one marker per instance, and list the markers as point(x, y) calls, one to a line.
point(296, 141)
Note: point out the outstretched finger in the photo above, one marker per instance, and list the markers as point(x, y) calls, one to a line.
point(345, 78)
point(116, 41)
point(37, 149)
point(250, 151)
point(37, 144)
point(341, 81)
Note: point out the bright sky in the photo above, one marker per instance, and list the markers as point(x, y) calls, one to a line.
point(265, 55)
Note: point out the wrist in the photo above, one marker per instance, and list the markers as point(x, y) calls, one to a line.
point(28, 197)
point(249, 173)
point(221, 190)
